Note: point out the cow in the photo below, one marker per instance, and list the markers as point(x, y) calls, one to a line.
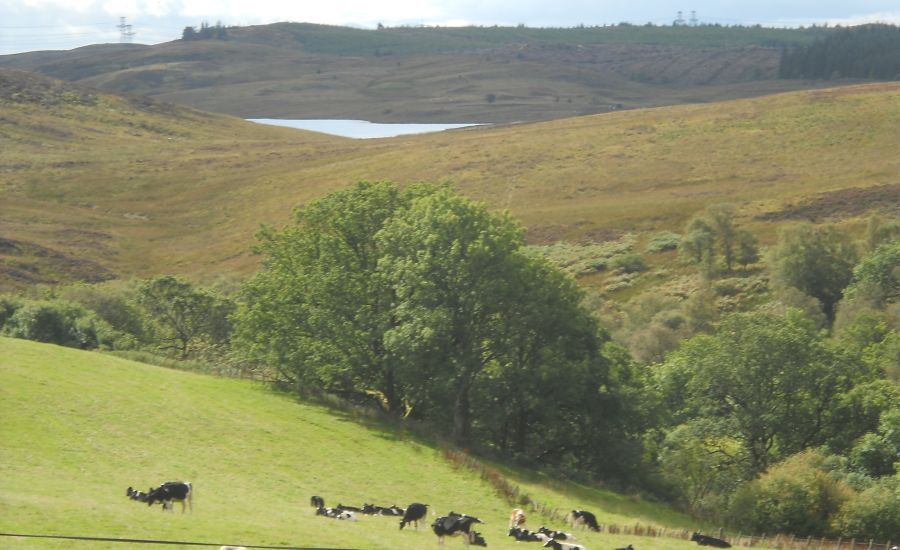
point(557, 535)
point(349, 508)
point(629, 547)
point(458, 525)
point(414, 512)
point(517, 518)
point(134, 494)
point(172, 491)
point(559, 545)
point(524, 535)
point(316, 501)
point(706, 540)
point(375, 510)
point(584, 519)
point(336, 513)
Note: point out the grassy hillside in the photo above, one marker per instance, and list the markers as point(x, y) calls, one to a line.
point(291, 70)
point(96, 186)
point(79, 427)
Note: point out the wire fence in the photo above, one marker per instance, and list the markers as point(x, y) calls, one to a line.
point(161, 542)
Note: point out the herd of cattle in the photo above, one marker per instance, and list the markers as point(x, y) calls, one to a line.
point(451, 525)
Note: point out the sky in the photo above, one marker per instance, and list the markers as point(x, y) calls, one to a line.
point(31, 25)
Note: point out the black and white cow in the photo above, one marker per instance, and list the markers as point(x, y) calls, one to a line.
point(705, 540)
point(584, 519)
point(172, 491)
point(524, 535)
point(375, 510)
point(557, 535)
point(460, 525)
point(346, 508)
point(560, 545)
point(336, 513)
point(134, 494)
point(316, 502)
point(629, 547)
point(414, 512)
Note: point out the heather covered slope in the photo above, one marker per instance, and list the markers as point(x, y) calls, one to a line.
point(98, 186)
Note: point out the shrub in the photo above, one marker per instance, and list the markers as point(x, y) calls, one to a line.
point(8, 306)
point(629, 263)
point(52, 323)
point(62, 323)
point(796, 496)
point(662, 241)
point(873, 513)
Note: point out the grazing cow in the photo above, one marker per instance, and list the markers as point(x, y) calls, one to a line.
point(559, 545)
point(517, 517)
point(584, 519)
point(705, 540)
point(336, 513)
point(524, 535)
point(316, 502)
point(134, 494)
point(556, 535)
point(414, 512)
point(458, 525)
point(172, 491)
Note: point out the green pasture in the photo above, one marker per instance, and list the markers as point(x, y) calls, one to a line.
point(79, 427)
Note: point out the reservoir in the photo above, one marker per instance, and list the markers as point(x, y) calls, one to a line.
point(358, 129)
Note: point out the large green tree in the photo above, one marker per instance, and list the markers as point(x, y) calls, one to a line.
point(318, 310)
point(452, 264)
point(769, 380)
point(423, 299)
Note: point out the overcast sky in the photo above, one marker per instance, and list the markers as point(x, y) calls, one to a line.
point(29, 25)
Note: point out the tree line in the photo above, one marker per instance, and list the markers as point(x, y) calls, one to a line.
point(865, 51)
point(769, 408)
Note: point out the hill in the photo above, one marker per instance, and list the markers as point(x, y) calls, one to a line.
point(471, 74)
point(98, 186)
point(79, 427)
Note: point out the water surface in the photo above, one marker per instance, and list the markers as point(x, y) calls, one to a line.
point(359, 129)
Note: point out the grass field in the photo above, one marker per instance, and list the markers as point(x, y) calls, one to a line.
point(79, 427)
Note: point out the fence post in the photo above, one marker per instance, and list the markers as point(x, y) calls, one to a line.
point(870, 544)
point(808, 540)
point(838, 544)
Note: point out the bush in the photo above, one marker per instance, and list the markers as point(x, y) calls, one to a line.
point(873, 513)
point(796, 496)
point(52, 323)
point(62, 323)
point(629, 263)
point(8, 306)
point(665, 240)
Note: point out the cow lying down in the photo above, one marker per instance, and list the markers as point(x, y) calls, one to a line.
point(336, 513)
